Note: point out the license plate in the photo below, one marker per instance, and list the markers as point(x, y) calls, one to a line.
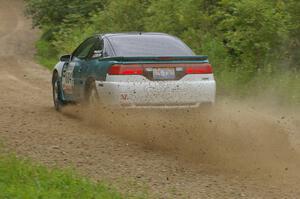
point(163, 73)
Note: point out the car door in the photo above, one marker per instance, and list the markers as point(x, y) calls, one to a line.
point(70, 78)
point(89, 68)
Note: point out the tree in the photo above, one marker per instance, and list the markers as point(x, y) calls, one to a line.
point(252, 30)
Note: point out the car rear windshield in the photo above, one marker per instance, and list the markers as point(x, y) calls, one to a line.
point(148, 45)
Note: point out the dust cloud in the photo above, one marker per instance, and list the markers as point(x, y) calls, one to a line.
point(229, 136)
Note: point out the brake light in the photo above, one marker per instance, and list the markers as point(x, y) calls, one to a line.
point(199, 69)
point(125, 70)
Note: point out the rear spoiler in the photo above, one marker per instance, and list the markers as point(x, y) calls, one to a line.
point(203, 58)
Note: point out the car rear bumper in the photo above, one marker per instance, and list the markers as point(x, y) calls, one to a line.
point(139, 92)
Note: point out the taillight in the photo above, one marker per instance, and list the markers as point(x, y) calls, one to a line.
point(199, 69)
point(125, 70)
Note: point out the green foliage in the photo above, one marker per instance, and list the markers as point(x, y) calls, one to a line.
point(164, 16)
point(245, 39)
point(121, 15)
point(51, 14)
point(46, 54)
point(68, 38)
point(20, 179)
point(252, 29)
point(293, 50)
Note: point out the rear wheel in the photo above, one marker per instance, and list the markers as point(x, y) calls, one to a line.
point(58, 102)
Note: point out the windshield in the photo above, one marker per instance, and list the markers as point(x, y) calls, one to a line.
point(148, 45)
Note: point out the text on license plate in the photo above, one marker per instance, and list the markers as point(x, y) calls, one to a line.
point(163, 73)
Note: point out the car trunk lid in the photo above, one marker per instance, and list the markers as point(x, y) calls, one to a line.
point(161, 68)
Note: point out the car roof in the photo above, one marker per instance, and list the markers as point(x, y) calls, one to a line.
point(131, 33)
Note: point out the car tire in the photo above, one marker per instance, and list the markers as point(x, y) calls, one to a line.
point(56, 91)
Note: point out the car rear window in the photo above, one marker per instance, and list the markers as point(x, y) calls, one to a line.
point(148, 45)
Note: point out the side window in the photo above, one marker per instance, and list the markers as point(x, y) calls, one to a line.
point(84, 49)
point(97, 50)
point(108, 51)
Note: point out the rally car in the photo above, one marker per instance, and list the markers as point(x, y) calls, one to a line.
point(134, 70)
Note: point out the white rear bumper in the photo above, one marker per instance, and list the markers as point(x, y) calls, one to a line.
point(137, 91)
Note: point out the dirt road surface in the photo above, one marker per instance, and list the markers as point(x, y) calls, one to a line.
point(237, 150)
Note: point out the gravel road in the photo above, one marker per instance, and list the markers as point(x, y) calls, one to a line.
point(236, 150)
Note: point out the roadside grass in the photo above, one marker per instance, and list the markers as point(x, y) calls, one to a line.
point(284, 86)
point(22, 179)
point(46, 55)
point(279, 86)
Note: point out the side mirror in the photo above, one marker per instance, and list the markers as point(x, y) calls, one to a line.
point(65, 58)
point(98, 53)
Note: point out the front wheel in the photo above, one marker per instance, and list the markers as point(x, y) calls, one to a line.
point(58, 103)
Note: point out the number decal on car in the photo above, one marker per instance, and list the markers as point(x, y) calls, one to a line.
point(67, 80)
